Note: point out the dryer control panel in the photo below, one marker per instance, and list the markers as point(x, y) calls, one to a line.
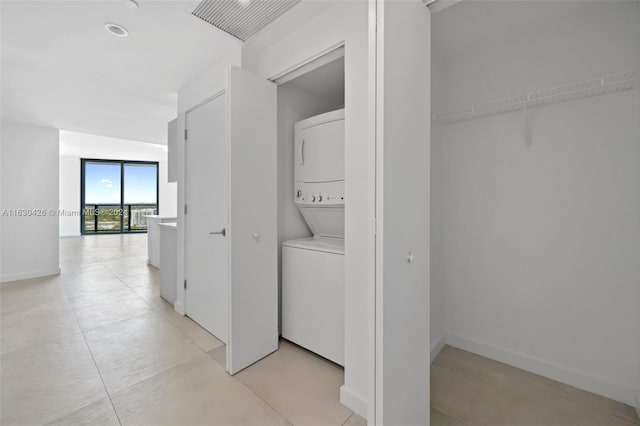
point(329, 194)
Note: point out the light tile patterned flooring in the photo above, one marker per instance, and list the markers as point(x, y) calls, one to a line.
point(467, 389)
point(96, 345)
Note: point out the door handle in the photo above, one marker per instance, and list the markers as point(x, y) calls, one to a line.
point(302, 153)
point(223, 232)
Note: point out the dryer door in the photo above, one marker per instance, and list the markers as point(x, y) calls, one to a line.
point(319, 153)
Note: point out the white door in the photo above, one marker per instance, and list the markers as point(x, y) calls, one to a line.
point(402, 213)
point(206, 195)
point(253, 297)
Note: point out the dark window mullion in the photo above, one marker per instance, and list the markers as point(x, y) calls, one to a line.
point(122, 197)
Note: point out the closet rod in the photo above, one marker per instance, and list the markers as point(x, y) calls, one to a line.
point(598, 86)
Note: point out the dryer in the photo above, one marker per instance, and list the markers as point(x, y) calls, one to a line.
point(318, 173)
point(313, 268)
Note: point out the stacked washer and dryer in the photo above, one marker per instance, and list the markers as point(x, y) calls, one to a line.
point(313, 268)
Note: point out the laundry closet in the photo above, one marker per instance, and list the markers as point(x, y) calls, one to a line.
point(309, 169)
point(311, 205)
point(297, 288)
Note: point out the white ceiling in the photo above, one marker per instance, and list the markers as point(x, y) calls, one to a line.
point(60, 68)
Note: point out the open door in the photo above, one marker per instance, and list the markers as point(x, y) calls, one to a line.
point(402, 213)
point(253, 291)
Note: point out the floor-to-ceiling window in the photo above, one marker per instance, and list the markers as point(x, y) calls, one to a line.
point(117, 195)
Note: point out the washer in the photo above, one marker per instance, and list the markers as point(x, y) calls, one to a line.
point(313, 295)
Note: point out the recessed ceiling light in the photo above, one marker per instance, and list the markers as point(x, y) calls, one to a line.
point(116, 30)
point(131, 4)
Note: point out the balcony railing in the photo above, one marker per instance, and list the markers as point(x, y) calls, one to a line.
point(114, 218)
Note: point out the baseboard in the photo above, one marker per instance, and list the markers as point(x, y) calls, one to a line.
point(178, 307)
point(353, 401)
point(29, 274)
point(437, 347)
point(560, 373)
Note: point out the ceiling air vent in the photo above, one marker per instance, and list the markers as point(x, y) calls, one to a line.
point(241, 18)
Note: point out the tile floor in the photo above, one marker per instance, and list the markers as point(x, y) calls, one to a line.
point(467, 389)
point(96, 345)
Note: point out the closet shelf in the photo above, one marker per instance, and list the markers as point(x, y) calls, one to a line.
point(597, 86)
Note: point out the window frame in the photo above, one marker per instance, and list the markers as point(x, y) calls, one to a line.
point(121, 163)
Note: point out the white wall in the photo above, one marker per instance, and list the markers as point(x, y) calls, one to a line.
point(172, 147)
point(536, 251)
point(74, 146)
point(286, 44)
point(29, 176)
point(69, 184)
point(436, 294)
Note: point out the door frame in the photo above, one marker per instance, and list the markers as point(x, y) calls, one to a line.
point(372, 90)
point(185, 196)
point(372, 190)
